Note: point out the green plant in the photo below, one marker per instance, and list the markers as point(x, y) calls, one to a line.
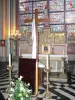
point(20, 91)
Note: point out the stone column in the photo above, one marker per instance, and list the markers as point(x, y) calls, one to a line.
point(1, 24)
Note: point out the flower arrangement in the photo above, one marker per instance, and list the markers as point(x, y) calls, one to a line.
point(20, 90)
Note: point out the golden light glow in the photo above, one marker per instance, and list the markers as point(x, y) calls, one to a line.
point(15, 34)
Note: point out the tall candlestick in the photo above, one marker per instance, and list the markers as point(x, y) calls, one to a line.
point(9, 60)
point(47, 61)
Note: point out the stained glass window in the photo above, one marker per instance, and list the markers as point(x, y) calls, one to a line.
point(61, 13)
point(57, 28)
point(70, 31)
point(23, 17)
point(70, 17)
point(26, 28)
point(56, 18)
point(70, 4)
point(56, 5)
point(39, 5)
point(25, 7)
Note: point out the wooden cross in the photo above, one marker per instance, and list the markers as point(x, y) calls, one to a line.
point(36, 26)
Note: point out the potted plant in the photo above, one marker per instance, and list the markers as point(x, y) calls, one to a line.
point(20, 91)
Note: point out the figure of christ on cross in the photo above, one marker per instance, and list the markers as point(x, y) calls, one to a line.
point(35, 47)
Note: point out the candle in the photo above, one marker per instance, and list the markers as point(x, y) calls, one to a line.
point(47, 62)
point(9, 60)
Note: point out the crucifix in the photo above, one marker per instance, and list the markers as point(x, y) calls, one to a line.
point(35, 41)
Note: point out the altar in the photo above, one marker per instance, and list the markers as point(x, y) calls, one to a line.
point(55, 61)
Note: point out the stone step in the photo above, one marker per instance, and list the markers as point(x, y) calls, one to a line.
point(72, 77)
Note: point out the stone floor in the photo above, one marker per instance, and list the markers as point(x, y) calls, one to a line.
point(58, 87)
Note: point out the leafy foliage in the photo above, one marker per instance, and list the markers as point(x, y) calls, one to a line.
point(21, 90)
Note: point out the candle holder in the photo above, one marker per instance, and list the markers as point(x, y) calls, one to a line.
point(10, 79)
point(14, 36)
point(47, 93)
point(10, 66)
